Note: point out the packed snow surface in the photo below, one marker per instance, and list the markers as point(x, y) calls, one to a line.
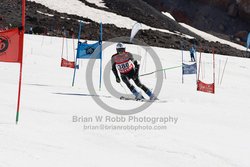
point(209, 129)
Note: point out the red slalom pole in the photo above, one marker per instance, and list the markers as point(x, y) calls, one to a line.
point(19, 92)
point(214, 68)
point(21, 58)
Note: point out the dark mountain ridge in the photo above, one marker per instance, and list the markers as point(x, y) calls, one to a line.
point(53, 24)
point(229, 19)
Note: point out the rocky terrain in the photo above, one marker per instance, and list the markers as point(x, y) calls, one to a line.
point(55, 23)
point(229, 19)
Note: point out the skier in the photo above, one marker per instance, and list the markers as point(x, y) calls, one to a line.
point(129, 69)
point(192, 52)
point(31, 30)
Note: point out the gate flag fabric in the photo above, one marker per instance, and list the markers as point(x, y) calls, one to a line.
point(11, 50)
point(189, 69)
point(66, 63)
point(206, 87)
point(10, 46)
point(89, 51)
point(203, 87)
point(136, 27)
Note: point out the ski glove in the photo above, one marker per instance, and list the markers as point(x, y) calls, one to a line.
point(118, 80)
point(137, 67)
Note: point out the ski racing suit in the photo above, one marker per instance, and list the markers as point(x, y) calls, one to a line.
point(129, 69)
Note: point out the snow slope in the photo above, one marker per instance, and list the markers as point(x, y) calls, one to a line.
point(210, 37)
point(207, 36)
point(99, 3)
point(78, 8)
point(212, 130)
point(168, 15)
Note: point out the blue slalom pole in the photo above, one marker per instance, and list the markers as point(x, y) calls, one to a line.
point(182, 64)
point(100, 79)
point(248, 42)
point(79, 36)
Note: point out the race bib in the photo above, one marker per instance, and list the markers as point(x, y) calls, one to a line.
point(125, 67)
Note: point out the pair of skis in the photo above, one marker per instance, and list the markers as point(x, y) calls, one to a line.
point(142, 100)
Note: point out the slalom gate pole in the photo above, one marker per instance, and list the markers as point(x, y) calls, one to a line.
point(74, 52)
point(62, 48)
point(203, 69)
point(79, 36)
point(21, 61)
point(100, 79)
point(19, 92)
point(67, 50)
point(223, 71)
point(196, 65)
point(199, 67)
point(214, 68)
point(219, 72)
point(182, 65)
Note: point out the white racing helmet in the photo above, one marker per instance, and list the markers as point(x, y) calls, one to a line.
point(120, 47)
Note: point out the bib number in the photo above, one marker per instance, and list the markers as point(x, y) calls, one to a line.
point(125, 67)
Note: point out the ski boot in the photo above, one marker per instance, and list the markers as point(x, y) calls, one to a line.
point(151, 95)
point(138, 95)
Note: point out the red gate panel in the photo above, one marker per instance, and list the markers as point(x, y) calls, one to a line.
point(66, 63)
point(201, 86)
